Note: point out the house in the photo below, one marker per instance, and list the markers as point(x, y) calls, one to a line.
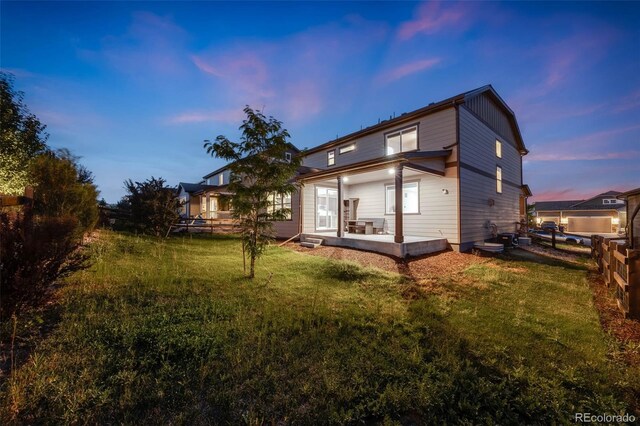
point(632, 223)
point(603, 213)
point(458, 162)
point(210, 198)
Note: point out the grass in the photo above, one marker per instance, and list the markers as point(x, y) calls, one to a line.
point(171, 332)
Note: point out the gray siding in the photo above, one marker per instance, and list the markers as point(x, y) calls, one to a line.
point(487, 109)
point(477, 150)
point(289, 228)
point(438, 212)
point(434, 132)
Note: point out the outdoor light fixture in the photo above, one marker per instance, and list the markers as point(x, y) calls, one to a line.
point(345, 179)
point(539, 220)
point(392, 171)
point(445, 191)
point(615, 221)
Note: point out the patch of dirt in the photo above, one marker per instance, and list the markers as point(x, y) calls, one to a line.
point(625, 331)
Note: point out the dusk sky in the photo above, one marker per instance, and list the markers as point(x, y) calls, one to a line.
point(134, 88)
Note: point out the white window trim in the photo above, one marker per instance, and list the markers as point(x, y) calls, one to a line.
point(331, 160)
point(347, 148)
point(399, 133)
point(498, 179)
point(387, 187)
point(498, 149)
point(287, 156)
point(221, 179)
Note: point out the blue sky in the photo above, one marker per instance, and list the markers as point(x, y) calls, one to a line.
point(134, 88)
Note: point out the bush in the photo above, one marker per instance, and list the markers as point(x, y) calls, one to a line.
point(153, 206)
point(34, 253)
point(63, 188)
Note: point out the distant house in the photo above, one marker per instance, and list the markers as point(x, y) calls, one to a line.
point(458, 163)
point(604, 213)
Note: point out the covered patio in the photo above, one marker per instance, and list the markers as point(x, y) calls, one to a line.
point(358, 207)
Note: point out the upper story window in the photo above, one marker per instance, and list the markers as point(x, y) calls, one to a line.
point(221, 179)
point(287, 157)
point(499, 180)
point(331, 157)
point(498, 149)
point(401, 141)
point(612, 201)
point(347, 148)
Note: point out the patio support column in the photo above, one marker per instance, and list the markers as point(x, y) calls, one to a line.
point(399, 234)
point(340, 207)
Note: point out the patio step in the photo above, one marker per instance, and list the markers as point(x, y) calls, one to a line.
point(311, 242)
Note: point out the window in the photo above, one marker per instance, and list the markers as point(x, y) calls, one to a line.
point(404, 140)
point(279, 202)
point(326, 208)
point(348, 148)
point(612, 201)
point(411, 199)
point(287, 157)
point(221, 179)
point(331, 157)
point(499, 180)
point(498, 149)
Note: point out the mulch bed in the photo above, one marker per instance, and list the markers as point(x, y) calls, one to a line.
point(625, 331)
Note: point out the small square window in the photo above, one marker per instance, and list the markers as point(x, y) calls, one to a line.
point(287, 157)
point(498, 149)
point(331, 157)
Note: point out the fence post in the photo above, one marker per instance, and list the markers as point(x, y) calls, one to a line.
point(553, 238)
point(633, 282)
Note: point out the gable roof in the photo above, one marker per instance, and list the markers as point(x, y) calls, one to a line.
point(190, 187)
point(627, 194)
point(587, 204)
point(430, 109)
point(226, 166)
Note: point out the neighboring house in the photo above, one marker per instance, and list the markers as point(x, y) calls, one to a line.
point(210, 198)
point(604, 213)
point(458, 162)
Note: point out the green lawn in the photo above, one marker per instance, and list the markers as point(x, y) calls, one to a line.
point(171, 332)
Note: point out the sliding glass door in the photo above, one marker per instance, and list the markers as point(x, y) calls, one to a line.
point(326, 208)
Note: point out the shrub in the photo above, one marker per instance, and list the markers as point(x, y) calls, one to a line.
point(63, 188)
point(34, 254)
point(153, 206)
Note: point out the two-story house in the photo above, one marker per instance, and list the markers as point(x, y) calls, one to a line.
point(602, 214)
point(458, 163)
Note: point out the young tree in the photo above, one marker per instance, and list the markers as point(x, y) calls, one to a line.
point(22, 138)
point(154, 207)
point(258, 170)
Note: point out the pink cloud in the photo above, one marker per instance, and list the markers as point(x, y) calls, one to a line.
point(594, 146)
point(408, 69)
point(294, 77)
point(431, 17)
point(153, 45)
point(231, 116)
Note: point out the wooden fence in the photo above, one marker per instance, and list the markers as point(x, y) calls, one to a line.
point(620, 267)
point(220, 226)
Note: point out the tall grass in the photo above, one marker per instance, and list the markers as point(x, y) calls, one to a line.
point(169, 331)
